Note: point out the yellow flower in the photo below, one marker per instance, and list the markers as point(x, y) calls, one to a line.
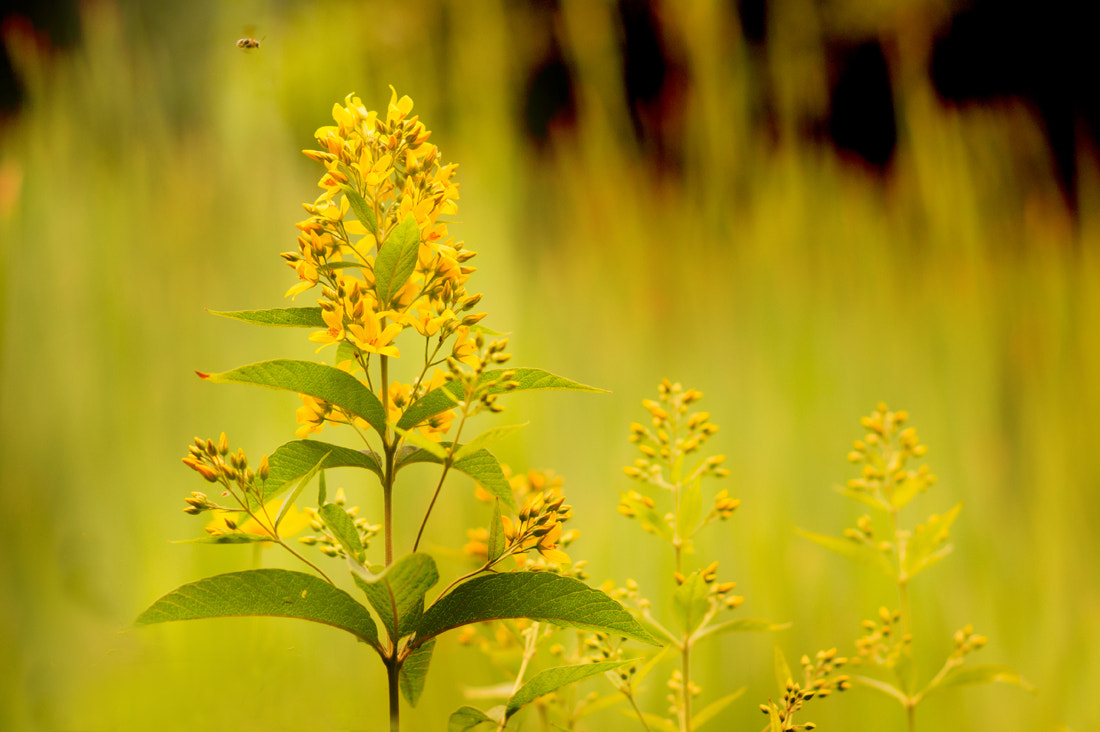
point(334, 319)
point(368, 336)
point(311, 416)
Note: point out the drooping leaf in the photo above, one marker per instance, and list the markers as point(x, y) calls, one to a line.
point(713, 709)
point(315, 379)
point(294, 459)
point(396, 260)
point(342, 526)
point(361, 209)
point(980, 674)
point(536, 595)
point(497, 544)
point(277, 317)
point(927, 545)
point(742, 625)
point(782, 670)
point(482, 466)
point(437, 400)
point(414, 672)
point(265, 592)
point(690, 603)
point(467, 718)
point(297, 491)
point(398, 590)
point(853, 550)
point(487, 438)
point(553, 679)
point(236, 537)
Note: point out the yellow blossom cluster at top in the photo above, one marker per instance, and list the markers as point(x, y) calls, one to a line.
point(377, 243)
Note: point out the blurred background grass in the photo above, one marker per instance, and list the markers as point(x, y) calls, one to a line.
point(153, 171)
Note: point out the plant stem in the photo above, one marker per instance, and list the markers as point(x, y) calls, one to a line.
point(393, 672)
point(685, 662)
point(388, 447)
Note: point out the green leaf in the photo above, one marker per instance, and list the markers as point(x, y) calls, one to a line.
point(315, 379)
point(294, 459)
point(691, 508)
point(466, 718)
point(414, 672)
point(979, 674)
point(908, 489)
point(482, 466)
point(714, 708)
point(238, 537)
point(650, 520)
point(782, 670)
point(398, 590)
point(487, 438)
point(926, 547)
point(853, 550)
point(437, 400)
point(396, 260)
point(265, 592)
point(863, 497)
point(343, 529)
point(553, 679)
point(690, 602)
point(883, 688)
point(290, 499)
point(536, 595)
point(436, 449)
point(322, 490)
point(742, 625)
point(658, 723)
point(362, 210)
point(277, 317)
point(774, 719)
point(497, 543)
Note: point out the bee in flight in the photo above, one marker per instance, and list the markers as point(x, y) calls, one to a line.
point(249, 42)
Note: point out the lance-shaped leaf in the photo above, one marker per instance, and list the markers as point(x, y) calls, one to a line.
point(497, 543)
point(690, 603)
point(782, 670)
point(294, 459)
point(342, 526)
point(277, 317)
point(553, 679)
point(443, 398)
point(980, 674)
point(928, 544)
point(536, 595)
point(712, 710)
point(647, 516)
point(657, 723)
point(487, 438)
point(742, 625)
point(467, 718)
point(414, 672)
point(399, 590)
point(266, 592)
point(315, 379)
point(437, 450)
point(691, 508)
point(882, 687)
point(362, 210)
point(297, 491)
point(396, 260)
point(854, 550)
point(482, 466)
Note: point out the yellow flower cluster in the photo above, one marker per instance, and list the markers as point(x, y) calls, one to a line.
point(377, 243)
point(884, 455)
point(537, 526)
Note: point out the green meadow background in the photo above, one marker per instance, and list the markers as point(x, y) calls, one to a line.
point(155, 171)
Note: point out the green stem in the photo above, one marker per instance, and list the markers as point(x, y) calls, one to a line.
point(393, 672)
point(389, 449)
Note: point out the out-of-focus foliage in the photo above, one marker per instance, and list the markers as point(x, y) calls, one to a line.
point(154, 171)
